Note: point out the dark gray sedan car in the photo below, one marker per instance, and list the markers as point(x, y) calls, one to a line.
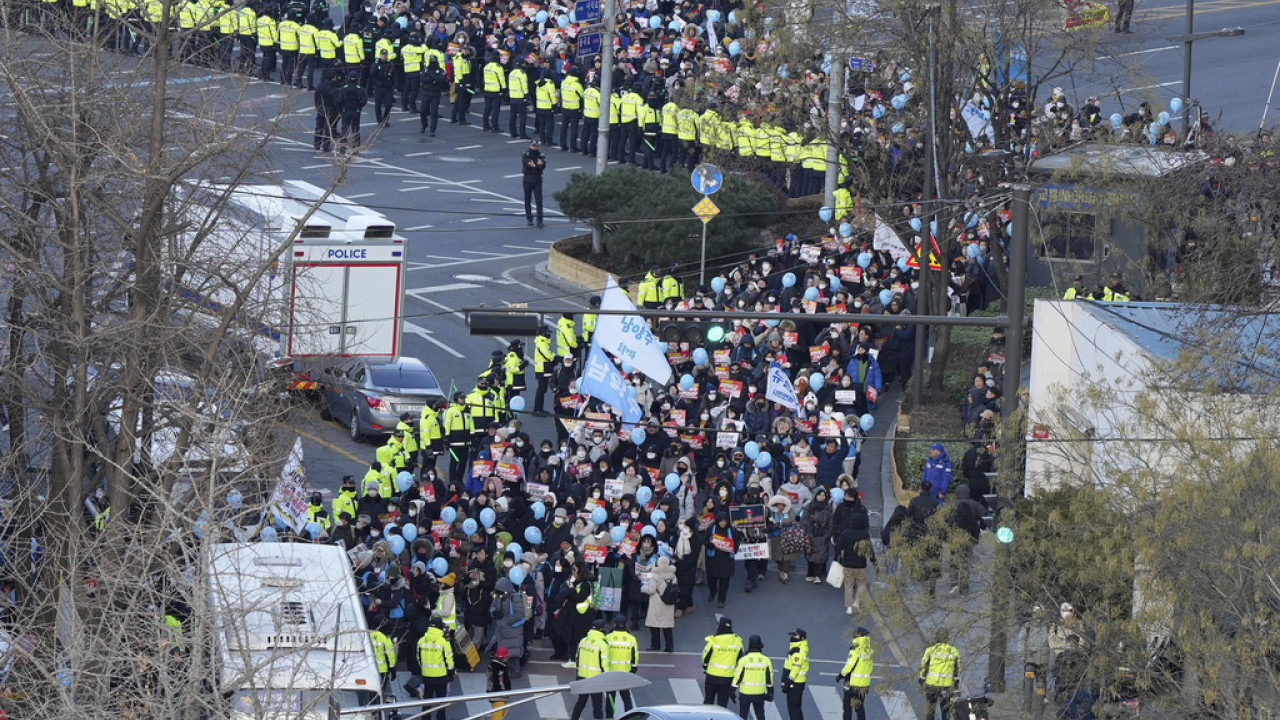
point(368, 395)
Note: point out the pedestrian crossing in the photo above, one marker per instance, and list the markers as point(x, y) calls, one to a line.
point(822, 699)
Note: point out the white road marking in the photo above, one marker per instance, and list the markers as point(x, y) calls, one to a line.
point(424, 153)
point(417, 227)
point(519, 247)
point(442, 306)
point(481, 252)
point(567, 169)
point(444, 288)
point(506, 275)
point(896, 705)
point(546, 242)
point(771, 711)
point(828, 699)
point(1137, 52)
point(298, 149)
point(687, 691)
point(469, 191)
point(316, 166)
point(517, 140)
point(1151, 87)
point(425, 334)
point(357, 196)
point(509, 177)
point(476, 219)
point(415, 187)
point(551, 706)
point(468, 147)
point(273, 171)
point(454, 262)
point(492, 200)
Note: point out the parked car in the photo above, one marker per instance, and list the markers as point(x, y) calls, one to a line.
point(679, 712)
point(368, 395)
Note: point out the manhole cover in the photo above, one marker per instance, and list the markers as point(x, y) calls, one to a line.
point(473, 278)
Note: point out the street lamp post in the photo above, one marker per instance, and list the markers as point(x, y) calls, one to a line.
point(1186, 39)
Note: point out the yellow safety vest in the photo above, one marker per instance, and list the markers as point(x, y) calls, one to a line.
point(591, 654)
point(384, 650)
point(940, 665)
point(517, 84)
point(796, 664)
point(327, 43)
point(461, 69)
point(615, 108)
point(288, 30)
point(541, 353)
point(571, 94)
point(353, 49)
point(687, 125)
point(1071, 294)
point(861, 659)
point(670, 118)
point(343, 502)
point(384, 44)
point(721, 654)
point(307, 39)
point(746, 138)
point(566, 336)
point(753, 674)
point(266, 31)
point(247, 21)
point(624, 651)
point(457, 419)
point(476, 403)
point(412, 55)
point(591, 103)
point(648, 290)
point(545, 95)
point(434, 654)
point(629, 107)
point(670, 289)
point(495, 81)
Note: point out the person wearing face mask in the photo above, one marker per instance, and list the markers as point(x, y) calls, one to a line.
point(865, 371)
point(687, 552)
point(756, 416)
point(831, 455)
point(372, 504)
point(721, 471)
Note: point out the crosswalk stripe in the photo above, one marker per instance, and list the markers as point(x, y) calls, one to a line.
point(771, 710)
point(472, 683)
point(552, 706)
point(828, 700)
point(687, 691)
point(897, 706)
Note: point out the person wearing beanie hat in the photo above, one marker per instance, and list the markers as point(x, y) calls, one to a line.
point(623, 655)
point(719, 661)
point(753, 679)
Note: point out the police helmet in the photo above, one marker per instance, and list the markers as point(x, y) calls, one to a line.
point(755, 643)
point(725, 626)
point(595, 301)
point(619, 621)
point(861, 632)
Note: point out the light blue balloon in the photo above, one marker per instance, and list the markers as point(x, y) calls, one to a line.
point(440, 567)
point(533, 535)
point(768, 22)
point(733, 17)
point(771, 323)
point(1174, 105)
point(699, 356)
point(235, 499)
point(562, 21)
point(515, 550)
point(904, 76)
point(573, 15)
point(713, 16)
point(886, 297)
point(898, 102)
point(789, 280)
point(404, 481)
point(751, 449)
point(599, 516)
point(916, 224)
point(866, 422)
point(717, 284)
point(644, 494)
point(973, 251)
point(674, 26)
point(539, 511)
point(933, 227)
point(735, 49)
point(877, 112)
point(672, 483)
point(657, 515)
point(1163, 117)
point(617, 534)
point(638, 436)
point(686, 382)
point(834, 282)
point(846, 229)
point(1117, 120)
point(676, 49)
point(268, 534)
point(764, 460)
point(410, 532)
point(655, 21)
point(627, 367)
point(395, 542)
point(898, 128)
point(649, 530)
point(449, 515)
point(811, 294)
point(517, 403)
point(837, 495)
point(825, 213)
point(816, 381)
point(488, 517)
point(864, 260)
point(902, 263)
point(541, 17)
point(470, 526)
point(516, 575)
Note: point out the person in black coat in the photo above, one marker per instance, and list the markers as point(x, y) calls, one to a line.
point(327, 112)
point(928, 548)
point(433, 83)
point(977, 462)
point(351, 101)
point(966, 520)
point(382, 85)
point(686, 561)
point(720, 543)
point(845, 511)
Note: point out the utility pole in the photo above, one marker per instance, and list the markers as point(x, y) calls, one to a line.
point(1187, 39)
point(835, 104)
point(606, 92)
point(925, 248)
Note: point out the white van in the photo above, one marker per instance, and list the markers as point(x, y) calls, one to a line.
point(289, 632)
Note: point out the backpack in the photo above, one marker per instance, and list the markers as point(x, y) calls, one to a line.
point(526, 607)
point(670, 594)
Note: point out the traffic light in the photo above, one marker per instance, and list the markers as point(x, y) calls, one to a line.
point(694, 333)
point(501, 323)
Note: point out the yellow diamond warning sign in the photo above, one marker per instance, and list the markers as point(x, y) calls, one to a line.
point(706, 209)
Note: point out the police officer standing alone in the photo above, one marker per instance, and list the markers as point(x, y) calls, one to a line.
point(795, 673)
point(433, 84)
point(939, 673)
point(532, 163)
point(856, 675)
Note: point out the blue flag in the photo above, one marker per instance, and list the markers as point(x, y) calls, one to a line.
point(780, 389)
point(601, 380)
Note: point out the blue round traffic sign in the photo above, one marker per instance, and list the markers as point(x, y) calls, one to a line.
point(706, 178)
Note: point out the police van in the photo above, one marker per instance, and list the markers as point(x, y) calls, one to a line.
point(289, 633)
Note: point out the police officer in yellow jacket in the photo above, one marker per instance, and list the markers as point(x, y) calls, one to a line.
point(571, 92)
point(624, 655)
point(856, 675)
point(939, 673)
point(515, 364)
point(753, 679)
point(345, 500)
point(456, 425)
point(593, 656)
point(1076, 291)
point(649, 296)
point(589, 321)
point(545, 97)
point(566, 335)
point(316, 512)
point(435, 655)
point(591, 118)
point(795, 673)
point(495, 89)
point(384, 650)
point(719, 662)
point(543, 365)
